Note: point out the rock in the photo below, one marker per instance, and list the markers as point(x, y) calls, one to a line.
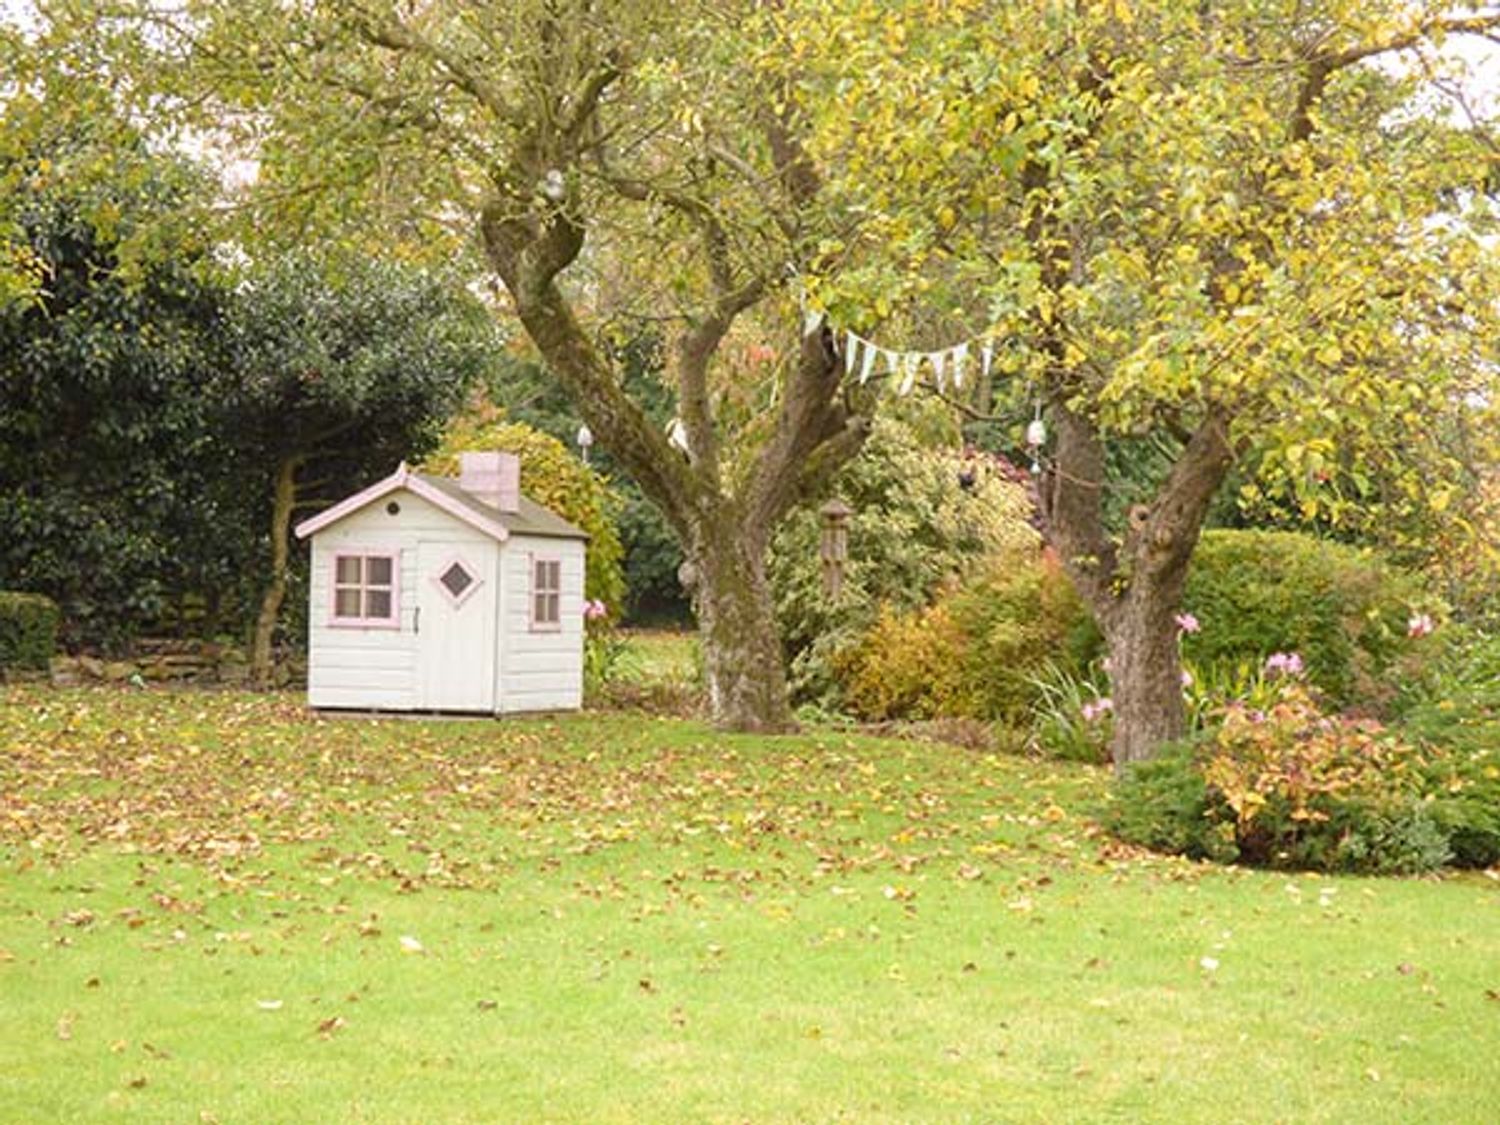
point(118, 671)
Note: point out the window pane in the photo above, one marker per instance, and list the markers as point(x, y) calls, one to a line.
point(378, 571)
point(378, 604)
point(552, 615)
point(554, 575)
point(456, 579)
point(346, 603)
point(347, 571)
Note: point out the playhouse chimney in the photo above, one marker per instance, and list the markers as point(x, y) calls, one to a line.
point(492, 478)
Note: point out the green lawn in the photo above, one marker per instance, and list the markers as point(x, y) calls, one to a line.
point(658, 656)
point(217, 908)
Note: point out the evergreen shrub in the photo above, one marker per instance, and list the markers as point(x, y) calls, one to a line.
point(981, 652)
point(1344, 610)
point(28, 631)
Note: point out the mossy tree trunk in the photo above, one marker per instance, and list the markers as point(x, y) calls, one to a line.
point(742, 650)
point(724, 519)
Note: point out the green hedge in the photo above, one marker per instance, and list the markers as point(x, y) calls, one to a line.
point(28, 631)
point(1344, 610)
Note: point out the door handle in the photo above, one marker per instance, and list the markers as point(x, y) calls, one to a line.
point(416, 620)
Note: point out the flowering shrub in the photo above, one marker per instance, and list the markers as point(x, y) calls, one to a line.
point(1291, 786)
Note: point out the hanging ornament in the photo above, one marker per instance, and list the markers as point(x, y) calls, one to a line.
point(677, 435)
point(1036, 437)
point(911, 360)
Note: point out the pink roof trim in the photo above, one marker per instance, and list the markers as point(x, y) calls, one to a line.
point(403, 478)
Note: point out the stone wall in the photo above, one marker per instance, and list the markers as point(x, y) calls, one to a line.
point(178, 662)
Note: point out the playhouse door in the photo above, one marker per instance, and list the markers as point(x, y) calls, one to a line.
point(455, 627)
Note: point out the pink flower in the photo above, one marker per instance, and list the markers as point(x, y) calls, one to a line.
point(1284, 663)
point(594, 609)
point(1187, 678)
point(1187, 623)
point(1096, 709)
point(1420, 625)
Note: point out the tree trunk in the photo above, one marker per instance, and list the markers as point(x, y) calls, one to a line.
point(736, 623)
point(1135, 589)
point(1145, 672)
point(282, 506)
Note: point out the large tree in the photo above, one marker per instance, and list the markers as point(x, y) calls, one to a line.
point(1221, 226)
point(621, 166)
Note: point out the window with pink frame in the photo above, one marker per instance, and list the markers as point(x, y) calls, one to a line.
point(546, 594)
point(364, 588)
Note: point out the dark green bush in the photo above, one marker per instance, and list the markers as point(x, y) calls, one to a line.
point(28, 631)
point(1163, 805)
point(1344, 610)
point(1465, 792)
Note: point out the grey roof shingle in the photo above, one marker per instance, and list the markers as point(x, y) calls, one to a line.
point(532, 519)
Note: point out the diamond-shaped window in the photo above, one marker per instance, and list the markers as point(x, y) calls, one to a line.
point(457, 579)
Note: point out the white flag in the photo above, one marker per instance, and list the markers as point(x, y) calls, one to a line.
point(939, 361)
point(893, 363)
point(868, 365)
point(960, 354)
point(986, 357)
point(811, 321)
point(850, 348)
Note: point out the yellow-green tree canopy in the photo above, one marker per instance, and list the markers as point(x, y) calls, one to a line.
point(1250, 228)
point(555, 479)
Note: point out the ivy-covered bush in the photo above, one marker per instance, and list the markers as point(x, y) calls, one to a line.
point(922, 517)
point(28, 631)
point(1291, 787)
point(1344, 610)
point(554, 478)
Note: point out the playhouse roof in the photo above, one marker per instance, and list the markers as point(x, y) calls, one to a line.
point(444, 493)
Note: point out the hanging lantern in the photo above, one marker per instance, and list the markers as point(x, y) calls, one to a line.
point(833, 548)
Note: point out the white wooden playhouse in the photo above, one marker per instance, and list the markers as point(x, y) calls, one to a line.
point(434, 594)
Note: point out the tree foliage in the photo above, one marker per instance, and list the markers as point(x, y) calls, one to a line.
point(1221, 224)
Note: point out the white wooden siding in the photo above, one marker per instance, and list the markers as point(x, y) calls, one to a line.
point(540, 670)
point(378, 668)
point(374, 667)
